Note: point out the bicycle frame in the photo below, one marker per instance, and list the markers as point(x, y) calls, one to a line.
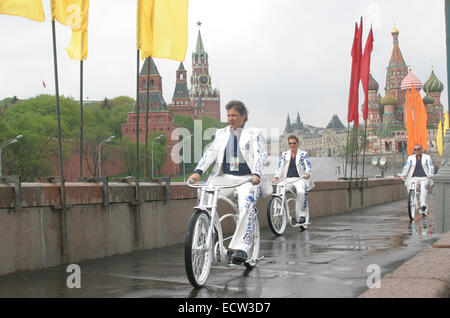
point(208, 201)
point(281, 193)
point(413, 185)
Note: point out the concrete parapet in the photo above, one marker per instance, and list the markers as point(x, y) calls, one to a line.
point(427, 275)
point(31, 235)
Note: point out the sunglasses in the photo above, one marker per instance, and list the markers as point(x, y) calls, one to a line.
point(415, 149)
point(292, 143)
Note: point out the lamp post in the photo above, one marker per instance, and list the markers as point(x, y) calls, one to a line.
point(381, 164)
point(159, 137)
point(6, 143)
point(109, 139)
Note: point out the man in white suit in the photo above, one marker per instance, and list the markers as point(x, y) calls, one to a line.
point(239, 154)
point(420, 167)
point(295, 164)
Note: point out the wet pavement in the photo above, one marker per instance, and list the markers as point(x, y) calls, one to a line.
point(329, 259)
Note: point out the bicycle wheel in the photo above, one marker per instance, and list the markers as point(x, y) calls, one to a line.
point(276, 215)
point(254, 252)
point(411, 204)
point(197, 258)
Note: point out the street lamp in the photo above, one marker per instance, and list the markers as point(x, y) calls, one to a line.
point(159, 137)
point(109, 139)
point(6, 143)
point(381, 164)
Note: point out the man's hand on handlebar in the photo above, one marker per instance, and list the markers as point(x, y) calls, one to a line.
point(256, 180)
point(194, 178)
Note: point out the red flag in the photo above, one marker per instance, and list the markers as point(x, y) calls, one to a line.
point(352, 78)
point(355, 76)
point(365, 69)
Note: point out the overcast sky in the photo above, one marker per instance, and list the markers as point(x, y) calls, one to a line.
point(278, 56)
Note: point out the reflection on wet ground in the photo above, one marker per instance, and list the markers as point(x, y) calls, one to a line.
point(330, 259)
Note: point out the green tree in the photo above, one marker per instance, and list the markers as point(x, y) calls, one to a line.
point(159, 155)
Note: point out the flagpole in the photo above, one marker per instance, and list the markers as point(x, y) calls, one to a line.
point(357, 151)
point(353, 148)
point(61, 170)
point(138, 200)
point(81, 119)
point(346, 153)
point(364, 150)
point(146, 120)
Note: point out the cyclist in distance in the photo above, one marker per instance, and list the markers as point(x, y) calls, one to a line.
point(239, 154)
point(419, 166)
point(295, 163)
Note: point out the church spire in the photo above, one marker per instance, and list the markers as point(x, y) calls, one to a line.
point(396, 56)
point(199, 49)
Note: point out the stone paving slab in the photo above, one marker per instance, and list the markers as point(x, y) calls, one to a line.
point(443, 242)
point(392, 287)
point(427, 275)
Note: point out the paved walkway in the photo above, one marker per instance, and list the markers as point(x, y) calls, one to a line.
point(330, 259)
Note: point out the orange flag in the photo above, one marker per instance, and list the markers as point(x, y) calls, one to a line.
point(409, 123)
point(420, 119)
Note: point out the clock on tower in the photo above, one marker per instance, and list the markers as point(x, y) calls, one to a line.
point(203, 79)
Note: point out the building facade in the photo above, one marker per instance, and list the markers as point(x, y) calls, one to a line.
point(386, 131)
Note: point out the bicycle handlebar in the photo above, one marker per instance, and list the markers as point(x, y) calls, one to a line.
point(218, 186)
point(279, 182)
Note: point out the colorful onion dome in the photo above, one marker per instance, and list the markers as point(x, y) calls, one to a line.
point(411, 80)
point(373, 84)
point(388, 99)
point(433, 84)
point(395, 30)
point(427, 100)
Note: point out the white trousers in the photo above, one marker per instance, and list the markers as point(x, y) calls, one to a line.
point(301, 206)
point(423, 183)
point(248, 194)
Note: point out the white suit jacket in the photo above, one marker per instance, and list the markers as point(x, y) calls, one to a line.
point(302, 163)
point(410, 165)
point(251, 145)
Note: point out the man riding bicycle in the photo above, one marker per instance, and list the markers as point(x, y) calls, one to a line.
point(239, 154)
point(295, 163)
point(420, 167)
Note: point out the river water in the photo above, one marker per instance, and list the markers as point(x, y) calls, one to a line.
point(329, 168)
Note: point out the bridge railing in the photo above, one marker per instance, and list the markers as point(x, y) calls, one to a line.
point(100, 226)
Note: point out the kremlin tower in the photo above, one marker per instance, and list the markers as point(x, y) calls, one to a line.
point(198, 100)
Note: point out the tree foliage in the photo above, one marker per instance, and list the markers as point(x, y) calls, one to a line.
point(36, 154)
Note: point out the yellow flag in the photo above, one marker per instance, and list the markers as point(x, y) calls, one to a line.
point(30, 9)
point(446, 123)
point(162, 28)
point(75, 14)
point(439, 139)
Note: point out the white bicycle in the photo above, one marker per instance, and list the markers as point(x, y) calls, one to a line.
point(278, 211)
point(205, 243)
point(414, 199)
